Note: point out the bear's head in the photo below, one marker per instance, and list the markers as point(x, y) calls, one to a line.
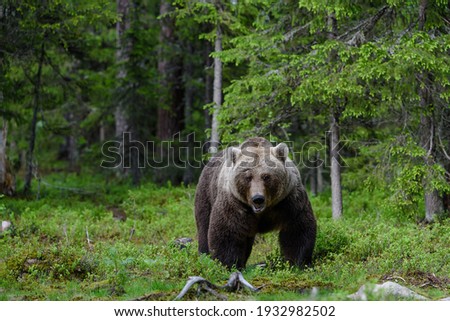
point(258, 173)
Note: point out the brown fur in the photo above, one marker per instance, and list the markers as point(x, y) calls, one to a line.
point(229, 215)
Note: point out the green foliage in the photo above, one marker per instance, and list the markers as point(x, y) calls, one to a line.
point(398, 172)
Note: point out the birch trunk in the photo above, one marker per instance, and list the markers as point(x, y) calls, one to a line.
point(336, 187)
point(217, 89)
point(335, 170)
point(37, 103)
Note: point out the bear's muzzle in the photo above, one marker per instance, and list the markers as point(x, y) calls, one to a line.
point(258, 203)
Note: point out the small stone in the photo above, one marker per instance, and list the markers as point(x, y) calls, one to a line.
point(30, 262)
point(5, 225)
point(387, 289)
point(182, 242)
point(314, 292)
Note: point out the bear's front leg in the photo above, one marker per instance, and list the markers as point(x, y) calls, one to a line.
point(296, 246)
point(297, 239)
point(297, 228)
point(230, 234)
point(229, 247)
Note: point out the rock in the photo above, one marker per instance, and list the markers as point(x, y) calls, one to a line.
point(314, 293)
point(183, 241)
point(31, 262)
point(445, 299)
point(386, 289)
point(5, 225)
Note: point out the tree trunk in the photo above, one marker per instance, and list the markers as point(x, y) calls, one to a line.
point(313, 181)
point(336, 188)
point(101, 132)
point(7, 179)
point(122, 55)
point(73, 153)
point(163, 131)
point(434, 204)
point(72, 149)
point(188, 174)
point(120, 120)
point(3, 136)
point(217, 89)
point(319, 172)
point(170, 111)
point(171, 95)
point(316, 178)
point(36, 106)
point(423, 4)
point(433, 201)
point(335, 170)
point(208, 83)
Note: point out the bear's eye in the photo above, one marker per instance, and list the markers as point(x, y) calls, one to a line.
point(265, 177)
point(248, 178)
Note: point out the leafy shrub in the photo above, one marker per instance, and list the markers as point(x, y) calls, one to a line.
point(54, 262)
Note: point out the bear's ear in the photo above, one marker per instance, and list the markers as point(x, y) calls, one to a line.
point(233, 154)
point(280, 151)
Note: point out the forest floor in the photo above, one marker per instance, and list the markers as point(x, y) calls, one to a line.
point(87, 239)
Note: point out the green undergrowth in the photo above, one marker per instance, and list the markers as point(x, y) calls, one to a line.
point(67, 245)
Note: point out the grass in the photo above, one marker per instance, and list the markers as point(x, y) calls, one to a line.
point(47, 254)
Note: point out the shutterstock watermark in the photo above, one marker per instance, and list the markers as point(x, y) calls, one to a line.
point(187, 151)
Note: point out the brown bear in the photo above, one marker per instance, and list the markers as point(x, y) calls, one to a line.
point(250, 189)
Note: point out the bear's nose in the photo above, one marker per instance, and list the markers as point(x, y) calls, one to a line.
point(258, 199)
